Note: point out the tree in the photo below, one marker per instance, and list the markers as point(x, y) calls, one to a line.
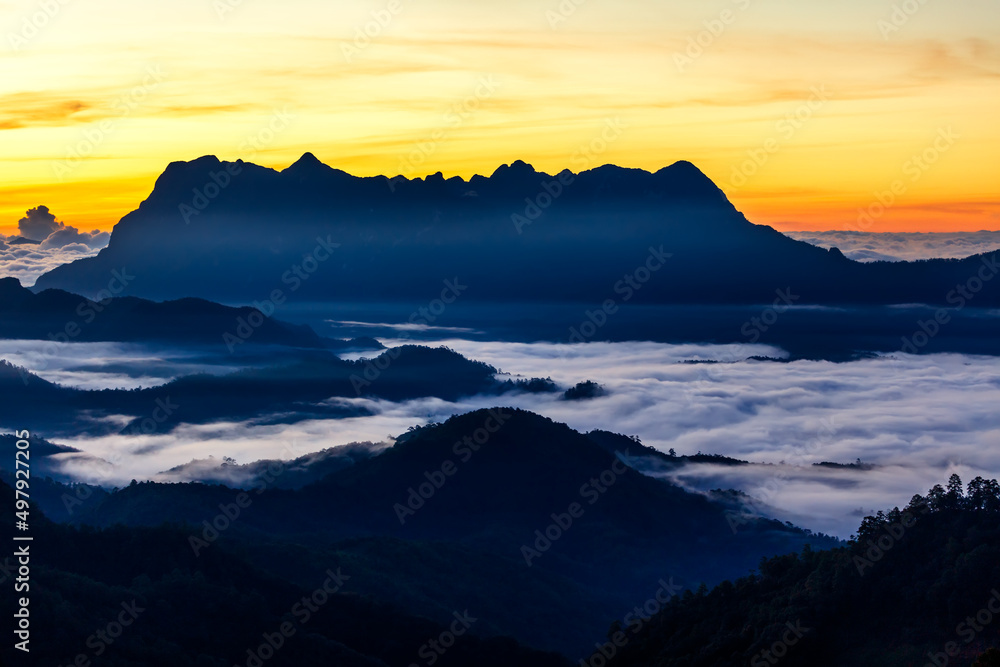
point(936, 498)
point(956, 491)
point(976, 497)
point(917, 504)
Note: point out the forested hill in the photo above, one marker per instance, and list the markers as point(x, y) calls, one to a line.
point(140, 597)
point(919, 586)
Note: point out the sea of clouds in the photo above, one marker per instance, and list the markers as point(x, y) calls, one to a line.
point(915, 419)
point(903, 246)
point(43, 243)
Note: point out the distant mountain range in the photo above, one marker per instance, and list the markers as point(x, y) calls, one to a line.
point(58, 316)
point(20, 240)
point(240, 232)
point(284, 394)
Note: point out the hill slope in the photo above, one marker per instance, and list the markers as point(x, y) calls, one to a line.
point(549, 512)
point(918, 586)
point(62, 316)
point(179, 609)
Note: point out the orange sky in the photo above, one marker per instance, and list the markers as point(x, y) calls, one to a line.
point(806, 115)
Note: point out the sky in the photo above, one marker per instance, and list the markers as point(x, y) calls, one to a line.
point(864, 115)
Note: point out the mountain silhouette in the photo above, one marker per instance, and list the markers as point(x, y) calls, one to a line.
point(904, 592)
point(297, 390)
point(61, 316)
point(480, 525)
point(239, 231)
point(182, 609)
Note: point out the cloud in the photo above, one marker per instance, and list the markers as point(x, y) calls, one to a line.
point(38, 223)
point(903, 246)
point(67, 237)
point(916, 418)
point(403, 326)
point(27, 262)
point(105, 365)
point(58, 243)
point(32, 109)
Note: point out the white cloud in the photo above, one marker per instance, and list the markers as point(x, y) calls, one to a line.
point(97, 366)
point(918, 418)
point(903, 246)
point(56, 243)
point(72, 237)
point(27, 262)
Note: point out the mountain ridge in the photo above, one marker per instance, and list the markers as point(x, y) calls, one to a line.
point(58, 315)
point(237, 231)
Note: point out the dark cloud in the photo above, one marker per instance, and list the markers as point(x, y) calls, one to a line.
point(38, 223)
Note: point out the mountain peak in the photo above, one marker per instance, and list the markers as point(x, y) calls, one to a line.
point(11, 290)
point(308, 159)
point(311, 166)
point(683, 178)
point(516, 168)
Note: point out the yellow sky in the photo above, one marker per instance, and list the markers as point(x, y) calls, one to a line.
point(803, 112)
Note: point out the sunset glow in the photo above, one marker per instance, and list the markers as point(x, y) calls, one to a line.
point(804, 113)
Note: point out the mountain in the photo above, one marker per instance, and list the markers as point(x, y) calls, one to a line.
point(142, 598)
point(918, 586)
point(63, 316)
point(501, 506)
point(297, 390)
point(20, 240)
point(241, 232)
